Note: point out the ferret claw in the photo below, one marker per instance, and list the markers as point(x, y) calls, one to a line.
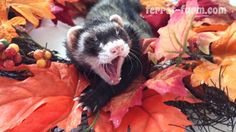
point(83, 94)
point(202, 82)
point(80, 104)
point(76, 99)
point(86, 109)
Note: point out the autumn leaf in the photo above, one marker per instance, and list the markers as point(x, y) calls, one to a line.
point(3, 11)
point(148, 46)
point(202, 73)
point(211, 28)
point(204, 39)
point(72, 120)
point(49, 92)
point(7, 30)
point(61, 13)
point(169, 81)
point(160, 4)
point(31, 10)
point(173, 37)
point(220, 76)
point(64, 1)
point(156, 20)
point(154, 116)
point(6, 26)
point(120, 105)
point(221, 73)
point(103, 124)
point(225, 48)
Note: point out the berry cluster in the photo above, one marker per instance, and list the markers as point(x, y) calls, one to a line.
point(9, 54)
point(42, 58)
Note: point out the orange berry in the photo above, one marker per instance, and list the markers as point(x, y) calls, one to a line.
point(47, 55)
point(41, 63)
point(38, 54)
point(14, 46)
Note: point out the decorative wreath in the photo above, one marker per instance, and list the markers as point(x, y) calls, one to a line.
point(188, 82)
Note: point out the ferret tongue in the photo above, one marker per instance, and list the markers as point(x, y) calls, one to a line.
point(111, 70)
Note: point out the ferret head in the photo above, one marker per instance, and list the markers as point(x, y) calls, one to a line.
point(102, 47)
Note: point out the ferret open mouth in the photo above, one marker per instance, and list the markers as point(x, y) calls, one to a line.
point(110, 72)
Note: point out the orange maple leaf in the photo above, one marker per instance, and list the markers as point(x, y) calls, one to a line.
point(7, 30)
point(64, 1)
point(154, 116)
point(31, 10)
point(161, 4)
point(6, 26)
point(49, 92)
point(222, 73)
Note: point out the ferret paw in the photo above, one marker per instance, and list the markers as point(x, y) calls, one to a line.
point(91, 100)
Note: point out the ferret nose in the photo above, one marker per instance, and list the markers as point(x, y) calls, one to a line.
point(117, 49)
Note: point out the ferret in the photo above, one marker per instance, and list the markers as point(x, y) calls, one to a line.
point(106, 48)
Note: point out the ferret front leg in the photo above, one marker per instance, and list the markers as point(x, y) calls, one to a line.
point(94, 97)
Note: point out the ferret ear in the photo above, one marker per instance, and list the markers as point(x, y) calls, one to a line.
point(117, 19)
point(72, 36)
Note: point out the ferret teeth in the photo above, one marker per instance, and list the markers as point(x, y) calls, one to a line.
point(119, 78)
point(76, 99)
point(112, 81)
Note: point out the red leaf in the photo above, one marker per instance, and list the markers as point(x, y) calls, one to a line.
point(103, 124)
point(45, 117)
point(62, 14)
point(120, 105)
point(169, 81)
point(156, 20)
point(50, 92)
point(154, 116)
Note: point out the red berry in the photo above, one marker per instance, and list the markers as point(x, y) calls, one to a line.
point(38, 54)
point(9, 52)
point(8, 64)
point(17, 58)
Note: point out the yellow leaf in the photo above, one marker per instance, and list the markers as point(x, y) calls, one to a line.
point(16, 21)
point(32, 10)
